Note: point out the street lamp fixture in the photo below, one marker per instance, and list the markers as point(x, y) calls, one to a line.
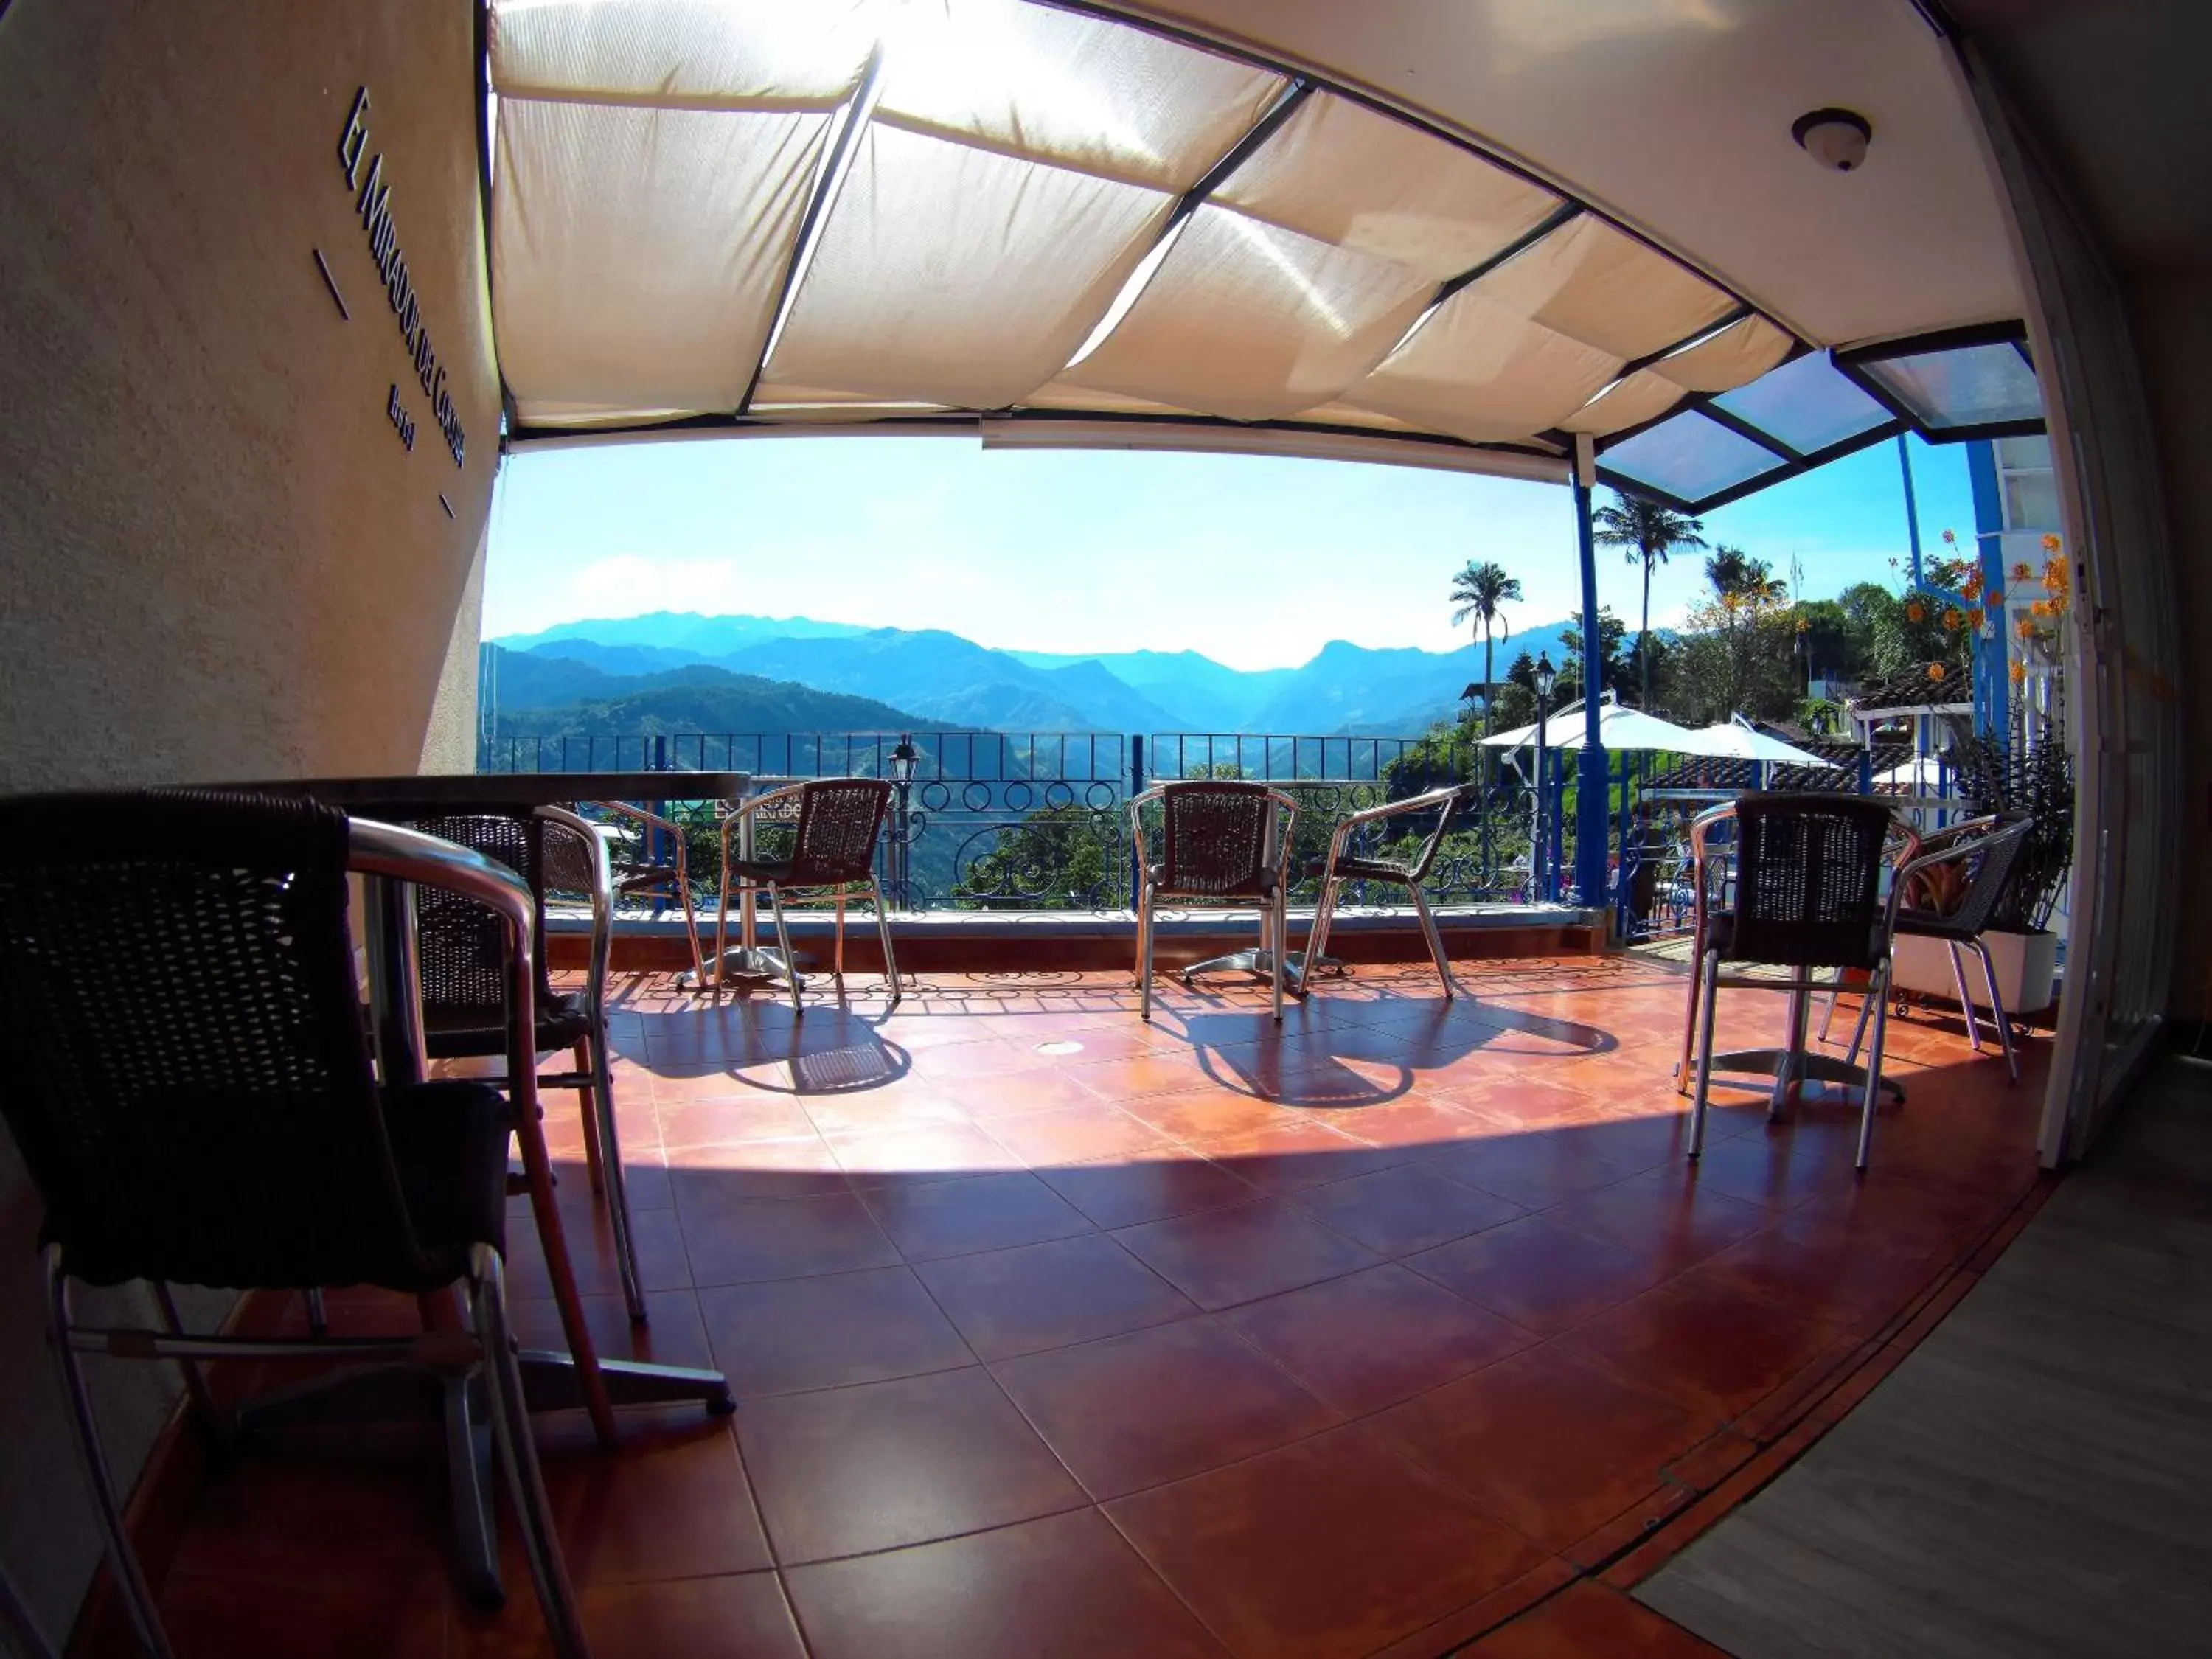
point(1546, 677)
point(900, 763)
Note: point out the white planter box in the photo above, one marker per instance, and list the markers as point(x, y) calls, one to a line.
point(2027, 968)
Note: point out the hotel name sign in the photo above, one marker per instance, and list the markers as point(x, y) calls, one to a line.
point(372, 193)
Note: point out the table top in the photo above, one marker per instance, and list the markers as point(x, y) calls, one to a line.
point(497, 792)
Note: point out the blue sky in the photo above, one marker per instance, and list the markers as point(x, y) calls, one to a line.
point(1257, 562)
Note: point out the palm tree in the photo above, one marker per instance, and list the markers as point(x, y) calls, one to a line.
point(1646, 532)
point(1735, 575)
point(1479, 590)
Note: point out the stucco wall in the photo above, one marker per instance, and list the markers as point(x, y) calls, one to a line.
point(217, 558)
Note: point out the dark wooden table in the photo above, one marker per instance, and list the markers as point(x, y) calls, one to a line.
point(422, 795)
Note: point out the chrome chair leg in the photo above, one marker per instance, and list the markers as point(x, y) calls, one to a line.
point(1966, 1000)
point(1682, 1068)
point(837, 949)
point(1435, 939)
point(1866, 1011)
point(884, 936)
point(196, 1386)
point(783, 944)
point(1878, 990)
point(137, 1596)
point(1317, 935)
point(1144, 954)
point(618, 1184)
point(1708, 973)
point(510, 1419)
point(1998, 1009)
point(1277, 909)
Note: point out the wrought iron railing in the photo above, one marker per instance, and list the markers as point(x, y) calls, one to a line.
point(1039, 821)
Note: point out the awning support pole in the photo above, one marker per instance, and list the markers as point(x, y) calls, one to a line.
point(1594, 775)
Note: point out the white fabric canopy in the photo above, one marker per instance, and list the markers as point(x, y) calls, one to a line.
point(1742, 742)
point(781, 207)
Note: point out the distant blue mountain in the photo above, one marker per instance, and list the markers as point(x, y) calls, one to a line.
point(703, 637)
point(943, 679)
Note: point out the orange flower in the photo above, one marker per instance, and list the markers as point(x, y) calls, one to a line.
point(2040, 608)
point(2020, 572)
point(1936, 672)
point(1972, 587)
point(1951, 538)
point(1915, 612)
point(2049, 542)
point(2019, 672)
point(1954, 619)
point(2025, 628)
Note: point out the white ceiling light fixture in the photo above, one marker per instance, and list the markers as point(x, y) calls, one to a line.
point(1836, 138)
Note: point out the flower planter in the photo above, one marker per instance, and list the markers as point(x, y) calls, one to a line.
point(2027, 967)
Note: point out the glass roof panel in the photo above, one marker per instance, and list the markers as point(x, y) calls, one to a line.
point(1691, 457)
point(1967, 385)
point(1807, 403)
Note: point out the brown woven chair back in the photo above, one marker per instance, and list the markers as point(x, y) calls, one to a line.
point(1808, 880)
point(1216, 838)
point(460, 944)
point(839, 820)
point(189, 1077)
point(1990, 858)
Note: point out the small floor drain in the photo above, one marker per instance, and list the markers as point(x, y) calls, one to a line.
point(1063, 1047)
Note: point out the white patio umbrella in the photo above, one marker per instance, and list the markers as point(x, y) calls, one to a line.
point(1923, 775)
point(1620, 728)
point(1742, 742)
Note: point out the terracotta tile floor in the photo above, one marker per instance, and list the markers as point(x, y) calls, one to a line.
point(1059, 1334)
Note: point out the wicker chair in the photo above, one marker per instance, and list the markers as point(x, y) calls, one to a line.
point(1808, 894)
point(1340, 866)
point(1985, 851)
point(666, 879)
point(833, 846)
point(458, 954)
point(210, 1115)
point(1225, 843)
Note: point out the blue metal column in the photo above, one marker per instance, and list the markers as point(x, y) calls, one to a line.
point(1993, 655)
point(1591, 798)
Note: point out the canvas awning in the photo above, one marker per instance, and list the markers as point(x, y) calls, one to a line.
point(1002, 215)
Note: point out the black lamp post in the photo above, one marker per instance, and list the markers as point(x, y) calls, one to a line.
point(901, 762)
point(1477, 699)
point(1538, 864)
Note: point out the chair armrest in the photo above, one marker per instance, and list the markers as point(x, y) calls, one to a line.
point(603, 897)
point(408, 855)
point(1137, 803)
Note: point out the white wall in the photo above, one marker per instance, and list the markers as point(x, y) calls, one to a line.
point(217, 558)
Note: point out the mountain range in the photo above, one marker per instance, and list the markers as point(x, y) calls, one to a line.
point(932, 677)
